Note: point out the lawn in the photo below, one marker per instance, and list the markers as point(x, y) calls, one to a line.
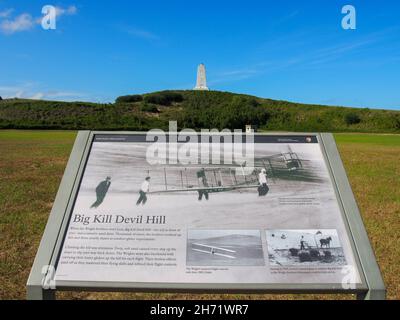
point(32, 164)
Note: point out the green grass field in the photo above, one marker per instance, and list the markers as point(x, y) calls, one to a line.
point(32, 164)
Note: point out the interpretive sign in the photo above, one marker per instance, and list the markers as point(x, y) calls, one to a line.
point(255, 213)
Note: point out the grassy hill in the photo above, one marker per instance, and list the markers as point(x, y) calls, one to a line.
point(193, 109)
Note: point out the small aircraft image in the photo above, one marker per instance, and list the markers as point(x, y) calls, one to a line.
point(216, 251)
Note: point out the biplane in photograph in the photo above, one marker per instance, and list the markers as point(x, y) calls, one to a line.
point(210, 180)
point(216, 179)
point(213, 251)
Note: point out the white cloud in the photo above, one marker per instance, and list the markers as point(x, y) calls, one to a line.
point(140, 33)
point(236, 75)
point(23, 22)
point(6, 13)
point(37, 96)
point(19, 94)
point(63, 95)
point(55, 95)
point(35, 91)
point(70, 11)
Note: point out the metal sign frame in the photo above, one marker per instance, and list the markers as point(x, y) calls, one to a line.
point(372, 286)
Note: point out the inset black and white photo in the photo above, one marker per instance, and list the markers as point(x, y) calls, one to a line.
point(224, 248)
point(304, 247)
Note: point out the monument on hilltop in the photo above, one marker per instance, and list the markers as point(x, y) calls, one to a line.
point(201, 83)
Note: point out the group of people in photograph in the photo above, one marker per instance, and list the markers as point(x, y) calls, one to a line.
point(203, 190)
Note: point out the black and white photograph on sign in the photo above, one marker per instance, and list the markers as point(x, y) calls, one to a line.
point(119, 177)
point(224, 248)
point(147, 210)
point(304, 247)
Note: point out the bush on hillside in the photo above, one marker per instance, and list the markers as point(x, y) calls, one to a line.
point(129, 99)
point(164, 98)
point(397, 123)
point(352, 118)
point(235, 113)
point(151, 108)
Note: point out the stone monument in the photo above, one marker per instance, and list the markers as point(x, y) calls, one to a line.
point(201, 83)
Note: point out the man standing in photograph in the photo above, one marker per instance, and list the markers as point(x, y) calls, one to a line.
point(143, 191)
point(201, 175)
point(101, 192)
point(263, 189)
point(302, 243)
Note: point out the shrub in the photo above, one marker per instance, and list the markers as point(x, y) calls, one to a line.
point(397, 123)
point(1, 98)
point(352, 118)
point(149, 108)
point(173, 96)
point(129, 99)
point(164, 98)
point(231, 113)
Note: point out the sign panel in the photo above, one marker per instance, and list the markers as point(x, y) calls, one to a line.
point(185, 221)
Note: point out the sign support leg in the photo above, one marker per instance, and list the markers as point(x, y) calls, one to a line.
point(38, 293)
point(372, 295)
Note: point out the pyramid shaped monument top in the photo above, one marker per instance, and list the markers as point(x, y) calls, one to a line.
point(201, 83)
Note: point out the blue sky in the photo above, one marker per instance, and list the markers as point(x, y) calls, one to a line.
point(289, 50)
